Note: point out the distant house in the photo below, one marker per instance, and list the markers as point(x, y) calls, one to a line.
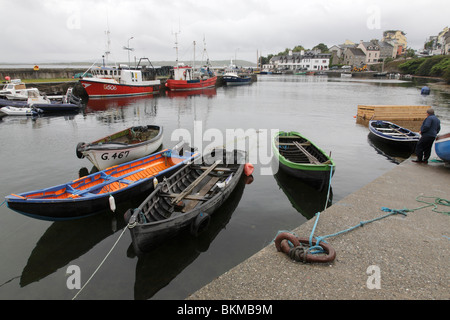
point(447, 43)
point(371, 50)
point(311, 60)
point(397, 38)
point(436, 45)
point(337, 52)
point(354, 57)
point(387, 50)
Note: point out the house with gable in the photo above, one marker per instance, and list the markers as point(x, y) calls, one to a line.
point(397, 38)
point(371, 50)
point(354, 57)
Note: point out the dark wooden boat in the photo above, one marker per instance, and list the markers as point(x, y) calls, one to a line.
point(393, 135)
point(101, 190)
point(301, 158)
point(186, 199)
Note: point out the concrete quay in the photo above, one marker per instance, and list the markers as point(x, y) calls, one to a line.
point(395, 258)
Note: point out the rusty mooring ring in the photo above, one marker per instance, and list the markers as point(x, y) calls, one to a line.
point(281, 243)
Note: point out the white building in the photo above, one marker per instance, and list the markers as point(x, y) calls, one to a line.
point(311, 61)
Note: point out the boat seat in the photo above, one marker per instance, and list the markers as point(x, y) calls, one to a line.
point(206, 188)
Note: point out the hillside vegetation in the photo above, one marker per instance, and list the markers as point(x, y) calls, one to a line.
point(436, 66)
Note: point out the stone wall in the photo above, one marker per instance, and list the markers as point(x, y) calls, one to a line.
point(43, 73)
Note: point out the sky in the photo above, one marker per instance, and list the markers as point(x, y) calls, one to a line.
point(39, 31)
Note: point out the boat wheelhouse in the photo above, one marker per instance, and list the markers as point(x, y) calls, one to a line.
point(119, 81)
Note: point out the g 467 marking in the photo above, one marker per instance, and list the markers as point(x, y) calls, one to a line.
point(116, 155)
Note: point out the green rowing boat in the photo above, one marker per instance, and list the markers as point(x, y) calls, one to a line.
point(301, 158)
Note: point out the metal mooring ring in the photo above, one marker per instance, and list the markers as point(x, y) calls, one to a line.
point(281, 243)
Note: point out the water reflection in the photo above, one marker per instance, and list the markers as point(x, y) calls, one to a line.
point(65, 241)
point(103, 104)
point(305, 198)
point(156, 269)
point(208, 92)
point(393, 154)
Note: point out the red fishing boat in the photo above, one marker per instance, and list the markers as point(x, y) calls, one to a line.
point(118, 82)
point(183, 79)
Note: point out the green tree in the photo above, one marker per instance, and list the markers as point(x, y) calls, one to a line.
point(298, 48)
point(322, 47)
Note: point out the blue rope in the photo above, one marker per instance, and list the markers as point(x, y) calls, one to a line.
point(318, 249)
point(2, 203)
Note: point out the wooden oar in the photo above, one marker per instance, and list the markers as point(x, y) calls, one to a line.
point(195, 183)
point(311, 158)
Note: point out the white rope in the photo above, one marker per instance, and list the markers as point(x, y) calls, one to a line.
point(123, 231)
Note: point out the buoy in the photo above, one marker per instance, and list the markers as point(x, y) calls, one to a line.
point(112, 203)
point(425, 91)
point(248, 169)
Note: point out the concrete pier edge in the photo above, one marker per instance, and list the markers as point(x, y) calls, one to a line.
point(396, 258)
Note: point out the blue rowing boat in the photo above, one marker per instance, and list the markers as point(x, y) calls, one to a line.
point(99, 191)
point(394, 135)
point(442, 147)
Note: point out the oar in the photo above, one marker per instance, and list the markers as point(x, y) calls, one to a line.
point(195, 183)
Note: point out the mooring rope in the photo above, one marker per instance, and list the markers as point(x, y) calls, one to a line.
point(101, 263)
point(316, 248)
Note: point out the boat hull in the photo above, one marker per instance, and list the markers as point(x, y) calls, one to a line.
point(442, 147)
point(236, 81)
point(20, 111)
point(295, 163)
point(393, 135)
point(91, 194)
point(104, 154)
point(148, 234)
point(186, 85)
point(99, 89)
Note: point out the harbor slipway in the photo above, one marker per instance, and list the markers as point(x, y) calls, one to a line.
point(399, 257)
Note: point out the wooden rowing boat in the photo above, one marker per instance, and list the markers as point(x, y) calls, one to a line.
point(186, 199)
point(393, 134)
point(123, 146)
point(301, 158)
point(101, 190)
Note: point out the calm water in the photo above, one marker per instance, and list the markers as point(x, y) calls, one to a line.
point(35, 255)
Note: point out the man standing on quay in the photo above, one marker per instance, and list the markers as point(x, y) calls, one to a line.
point(429, 130)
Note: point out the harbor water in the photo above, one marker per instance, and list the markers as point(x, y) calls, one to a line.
point(40, 259)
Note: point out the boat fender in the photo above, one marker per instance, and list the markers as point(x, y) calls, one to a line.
point(80, 146)
point(155, 182)
point(200, 223)
point(248, 169)
point(112, 203)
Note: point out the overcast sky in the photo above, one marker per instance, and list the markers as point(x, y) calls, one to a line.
point(34, 31)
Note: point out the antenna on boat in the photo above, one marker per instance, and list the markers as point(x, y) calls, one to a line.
point(108, 40)
point(176, 40)
point(204, 51)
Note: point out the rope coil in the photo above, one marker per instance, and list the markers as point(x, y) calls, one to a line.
point(294, 246)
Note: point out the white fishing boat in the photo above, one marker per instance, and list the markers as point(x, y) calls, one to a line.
point(126, 145)
point(15, 90)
